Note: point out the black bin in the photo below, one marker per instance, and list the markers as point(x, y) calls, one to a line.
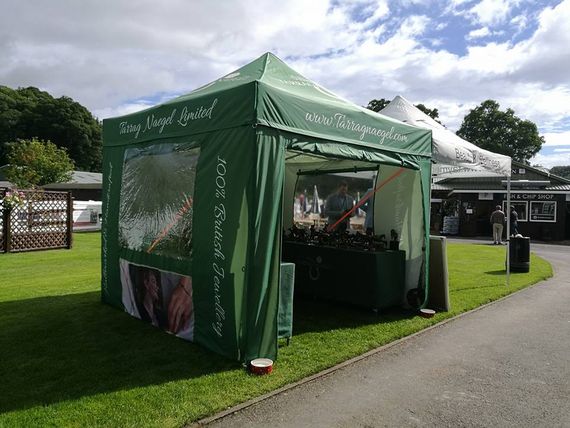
point(519, 257)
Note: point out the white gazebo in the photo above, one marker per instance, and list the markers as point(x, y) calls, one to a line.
point(452, 154)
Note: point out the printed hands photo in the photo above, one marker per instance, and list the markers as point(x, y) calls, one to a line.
point(180, 307)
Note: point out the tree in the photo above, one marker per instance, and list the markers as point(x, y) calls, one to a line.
point(561, 171)
point(501, 131)
point(377, 105)
point(431, 112)
point(27, 113)
point(35, 163)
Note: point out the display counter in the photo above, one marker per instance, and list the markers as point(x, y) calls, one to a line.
point(372, 279)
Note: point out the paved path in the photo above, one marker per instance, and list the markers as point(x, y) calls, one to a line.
point(504, 365)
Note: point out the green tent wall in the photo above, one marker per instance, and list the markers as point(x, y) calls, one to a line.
point(216, 168)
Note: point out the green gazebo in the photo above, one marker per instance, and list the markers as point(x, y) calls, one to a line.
point(197, 192)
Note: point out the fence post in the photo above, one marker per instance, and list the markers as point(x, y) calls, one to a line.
point(7, 230)
point(69, 220)
point(3, 231)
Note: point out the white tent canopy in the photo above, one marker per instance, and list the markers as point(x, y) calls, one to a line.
point(448, 148)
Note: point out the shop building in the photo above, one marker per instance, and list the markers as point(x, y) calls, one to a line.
point(84, 186)
point(542, 202)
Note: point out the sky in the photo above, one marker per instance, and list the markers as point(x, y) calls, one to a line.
point(117, 57)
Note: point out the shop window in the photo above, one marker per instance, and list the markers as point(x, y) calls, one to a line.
point(543, 211)
point(521, 207)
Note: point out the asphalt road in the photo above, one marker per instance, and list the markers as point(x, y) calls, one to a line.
point(504, 365)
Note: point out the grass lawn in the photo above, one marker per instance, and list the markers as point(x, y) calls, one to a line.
point(66, 359)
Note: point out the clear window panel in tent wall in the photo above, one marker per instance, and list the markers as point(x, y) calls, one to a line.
point(315, 195)
point(157, 196)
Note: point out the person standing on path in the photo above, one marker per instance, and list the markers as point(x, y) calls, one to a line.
point(498, 220)
point(514, 222)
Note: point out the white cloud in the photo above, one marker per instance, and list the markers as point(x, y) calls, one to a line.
point(546, 55)
point(454, 6)
point(123, 109)
point(483, 32)
point(520, 21)
point(557, 139)
point(550, 160)
point(114, 57)
point(435, 42)
point(441, 26)
point(377, 10)
point(414, 2)
point(413, 26)
point(102, 53)
point(556, 150)
point(480, 32)
point(491, 12)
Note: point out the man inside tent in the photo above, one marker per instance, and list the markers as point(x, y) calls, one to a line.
point(337, 205)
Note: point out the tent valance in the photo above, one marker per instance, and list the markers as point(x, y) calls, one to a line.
point(267, 92)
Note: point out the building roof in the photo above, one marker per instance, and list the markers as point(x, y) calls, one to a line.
point(80, 180)
point(565, 187)
point(440, 186)
point(523, 178)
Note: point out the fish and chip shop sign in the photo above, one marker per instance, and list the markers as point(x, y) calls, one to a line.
point(536, 207)
point(531, 197)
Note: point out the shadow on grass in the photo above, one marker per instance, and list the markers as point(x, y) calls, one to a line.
point(496, 272)
point(502, 272)
point(478, 287)
point(62, 348)
point(316, 315)
point(66, 347)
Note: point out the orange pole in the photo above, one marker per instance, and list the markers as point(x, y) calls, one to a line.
point(165, 231)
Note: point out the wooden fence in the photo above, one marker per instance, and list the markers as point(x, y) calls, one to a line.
point(44, 221)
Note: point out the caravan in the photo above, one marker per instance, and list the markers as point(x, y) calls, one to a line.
point(86, 215)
